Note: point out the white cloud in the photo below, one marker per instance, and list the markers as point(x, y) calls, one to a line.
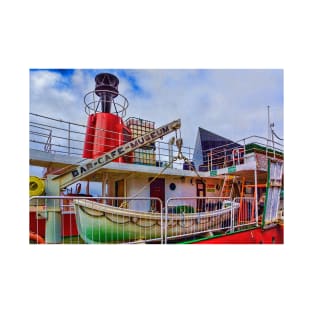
point(232, 103)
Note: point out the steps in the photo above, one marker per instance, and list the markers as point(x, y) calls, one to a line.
point(228, 186)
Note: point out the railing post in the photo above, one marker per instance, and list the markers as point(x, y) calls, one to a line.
point(256, 195)
point(232, 216)
point(165, 221)
point(69, 139)
point(54, 221)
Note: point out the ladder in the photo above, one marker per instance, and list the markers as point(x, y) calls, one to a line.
point(228, 186)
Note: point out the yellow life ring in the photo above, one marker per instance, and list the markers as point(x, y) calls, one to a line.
point(36, 186)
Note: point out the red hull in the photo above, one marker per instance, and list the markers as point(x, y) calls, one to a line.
point(274, 235)
point(251, 236)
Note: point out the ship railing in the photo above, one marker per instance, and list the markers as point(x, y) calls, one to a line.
point(247, 214)
point(60, 137)
point(67, 138)
point(212, 216)
point(235, 153)
point(55, 220)
point(181, 218)
point(93, 102)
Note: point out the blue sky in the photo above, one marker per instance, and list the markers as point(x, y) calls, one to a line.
point(232, 103)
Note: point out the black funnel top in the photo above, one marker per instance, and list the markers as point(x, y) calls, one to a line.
point(106, 89)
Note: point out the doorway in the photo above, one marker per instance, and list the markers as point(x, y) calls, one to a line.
point(200, 193)
point(157, 190)
point(119, 191)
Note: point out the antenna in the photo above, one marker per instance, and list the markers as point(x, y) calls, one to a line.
point(268, 124)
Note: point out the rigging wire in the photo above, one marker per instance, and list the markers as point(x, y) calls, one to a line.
point(272, 125)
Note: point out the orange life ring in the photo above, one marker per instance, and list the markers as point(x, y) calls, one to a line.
point(36, 238)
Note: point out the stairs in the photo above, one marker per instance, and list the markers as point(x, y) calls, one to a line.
point(228, 186)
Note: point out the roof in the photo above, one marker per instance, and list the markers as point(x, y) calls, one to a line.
point(207, 140)
point(211, 140)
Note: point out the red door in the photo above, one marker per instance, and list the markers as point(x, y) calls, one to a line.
point(200, 193)
point(157, 190)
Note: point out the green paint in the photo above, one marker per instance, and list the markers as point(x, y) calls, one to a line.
point(252, 147)
point(268, 183)
point(213, 173)
point(232, 169)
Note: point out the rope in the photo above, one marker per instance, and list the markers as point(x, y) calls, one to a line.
point(124, 203)
point(276, 135)
point(272, 125)
point(180, 156)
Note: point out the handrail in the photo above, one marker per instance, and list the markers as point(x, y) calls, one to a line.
point(67, 134)
point(70, 136)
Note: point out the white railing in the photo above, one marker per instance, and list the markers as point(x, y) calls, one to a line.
point(208, 215)
point(235, 153)
point(67, 138)
point(76, 219)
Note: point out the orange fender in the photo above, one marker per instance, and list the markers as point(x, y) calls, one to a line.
point(36, 238)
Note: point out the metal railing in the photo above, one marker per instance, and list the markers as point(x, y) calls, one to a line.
point(67, 138)
point(93, 102)
point(235, 153)
point(73, 219)
point(55, 135)
point(96, 220)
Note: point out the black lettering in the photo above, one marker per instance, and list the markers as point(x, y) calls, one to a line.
point(107, 158)
point(75, 173)
point(141, 140)
point(100, 160)
point(113, 153)
point(153, 135)
point(147, 137)
point(82, 170)
point(159, 132)
point(89, 166)
point(165, 129)
point(134, 144)
point(120, 150)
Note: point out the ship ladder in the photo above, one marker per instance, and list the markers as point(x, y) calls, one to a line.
point(228, 186)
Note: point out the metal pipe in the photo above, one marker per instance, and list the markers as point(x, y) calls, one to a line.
point(256, 195)
point(170, 151)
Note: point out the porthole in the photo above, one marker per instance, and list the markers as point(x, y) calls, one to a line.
point(172, 186)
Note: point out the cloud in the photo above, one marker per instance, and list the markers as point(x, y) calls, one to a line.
point(232, 103)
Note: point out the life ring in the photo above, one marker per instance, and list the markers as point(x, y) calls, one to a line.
point(36, 186)
point(35, 237)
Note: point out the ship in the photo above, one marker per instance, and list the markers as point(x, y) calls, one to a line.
point(154, 189)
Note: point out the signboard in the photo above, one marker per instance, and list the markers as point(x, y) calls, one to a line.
point(232, 169)
point(213, 173)
point(210, 188)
